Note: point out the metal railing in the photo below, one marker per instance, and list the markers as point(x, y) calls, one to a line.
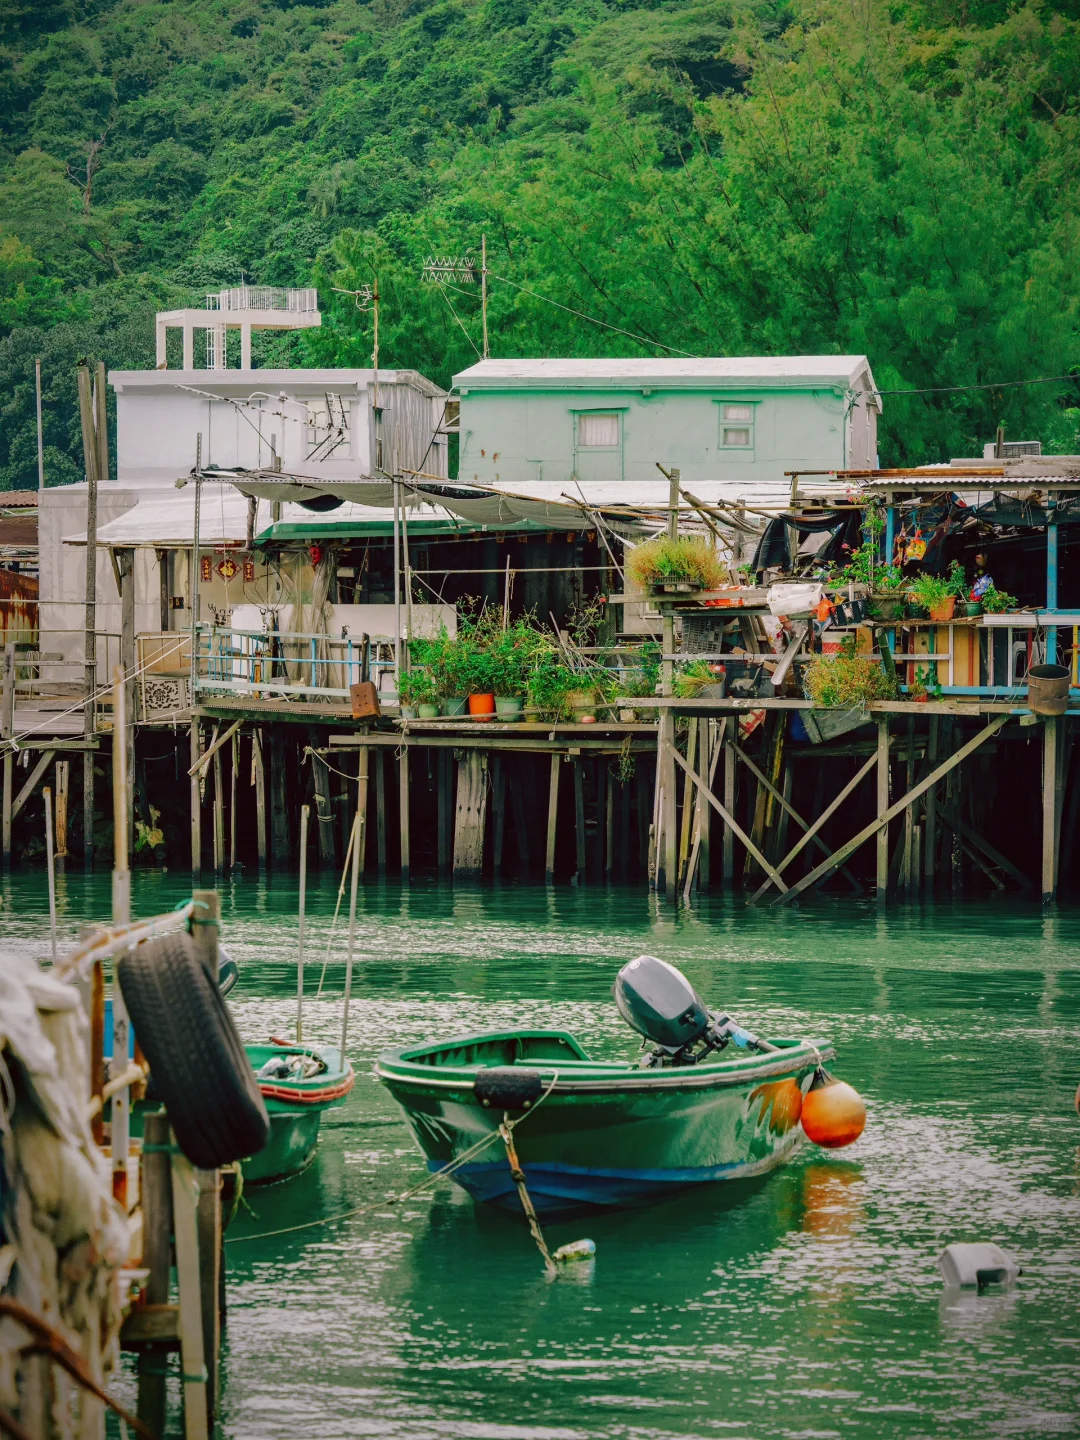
point(264, 297)
point(301, 665)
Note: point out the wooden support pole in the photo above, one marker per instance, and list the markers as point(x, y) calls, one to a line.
point(908, 876)
point(324, 810)
point(691, 800)
point(726, 815)
point(9, 776)
point(185, 1197)
point(882, 806)
point(521, 822)
point(210, 1259)
point(219, 814)
point(498, 812)
point(280, 841)
point(930, 838)
point(730, 740)
point(669, 818)
point(699, 855)
point(608, 790)
point(195, 752)
point(953, 801)
point(234, 766)
point(818, 824)
point(444, 806)
point(380, 811)
point(552, 818)
point(155, 1191)
point(1050, 807)
point(125, 562)
point(580, 856)
point(363, 799)
point(258, 779)
point(63, 789)
point(403, 807)
point(471, 814)
point(896, 808)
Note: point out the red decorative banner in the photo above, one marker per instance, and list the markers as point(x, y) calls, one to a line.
point(249, 572)
point(205, 568)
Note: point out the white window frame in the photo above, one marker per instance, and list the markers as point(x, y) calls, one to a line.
point(744, 418)
point(579, 444)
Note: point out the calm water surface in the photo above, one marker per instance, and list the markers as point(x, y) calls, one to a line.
point(805, 1305)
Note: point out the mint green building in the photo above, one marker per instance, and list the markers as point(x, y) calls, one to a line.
point(598, 428)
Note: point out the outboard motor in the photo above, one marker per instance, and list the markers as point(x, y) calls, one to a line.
point(659, 1003)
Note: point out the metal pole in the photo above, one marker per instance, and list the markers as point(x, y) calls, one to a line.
point(121, 898)
point(90, 457)
point(407, 568)
point(52, 869)
point(353, 883)
point(305, 811)
point(1051, 584)
point(398, 670)
point(193, 588)
point(40, 442)
point(483, 288)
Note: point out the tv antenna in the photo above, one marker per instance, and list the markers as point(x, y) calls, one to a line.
point(367, 298)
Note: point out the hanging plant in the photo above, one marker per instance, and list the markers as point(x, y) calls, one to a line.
point(687, 562)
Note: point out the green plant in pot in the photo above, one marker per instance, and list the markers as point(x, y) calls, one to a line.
point(550, 685)
point(890, 587)
point(685, 563)
point(417, 691)
point(996, 602)
point(936, 594)
point(694, 679)
point(847, 681)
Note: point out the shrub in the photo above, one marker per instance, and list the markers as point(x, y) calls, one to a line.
point(686, 560)
point(848, 681)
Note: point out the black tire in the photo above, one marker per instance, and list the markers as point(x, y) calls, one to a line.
point(199, 1065)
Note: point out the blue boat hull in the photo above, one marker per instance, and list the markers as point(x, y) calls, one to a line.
point(563, 1189)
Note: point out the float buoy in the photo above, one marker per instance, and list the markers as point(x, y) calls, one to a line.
point(833, 1113)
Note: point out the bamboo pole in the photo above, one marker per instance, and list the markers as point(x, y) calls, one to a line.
point(354, 881)
point(305, 812)
point(121, 914)
point(50, 859)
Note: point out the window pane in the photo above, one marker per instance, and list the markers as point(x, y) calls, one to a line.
point(598, 430)
point(736, 437)
point(738, 412)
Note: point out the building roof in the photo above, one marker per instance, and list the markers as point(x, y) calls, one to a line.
point(756, 372)
point(249, 382)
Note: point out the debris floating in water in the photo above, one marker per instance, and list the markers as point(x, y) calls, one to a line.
point(974, 1266)
point(575, 1252)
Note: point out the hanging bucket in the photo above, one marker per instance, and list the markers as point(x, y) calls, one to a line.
point(1048, 689)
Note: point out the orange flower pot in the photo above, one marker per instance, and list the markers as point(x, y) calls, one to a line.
point(482, 705)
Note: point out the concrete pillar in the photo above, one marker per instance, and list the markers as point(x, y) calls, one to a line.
point(245, 347)
point(160, 337)
point(189, 346)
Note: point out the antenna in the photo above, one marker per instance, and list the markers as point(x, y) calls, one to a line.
point(367, 298)
point(461, 269)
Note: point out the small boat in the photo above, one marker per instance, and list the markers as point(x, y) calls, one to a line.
point(609, 1133)
point(298, 1083)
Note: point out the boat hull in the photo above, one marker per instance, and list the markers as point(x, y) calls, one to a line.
point(295, 1108)
point(611, 1135)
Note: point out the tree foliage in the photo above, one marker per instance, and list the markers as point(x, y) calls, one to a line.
point(729, 177)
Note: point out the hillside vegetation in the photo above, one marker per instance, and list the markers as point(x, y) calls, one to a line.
point(714, 178)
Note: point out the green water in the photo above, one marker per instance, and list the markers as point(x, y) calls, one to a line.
point(806, 1305)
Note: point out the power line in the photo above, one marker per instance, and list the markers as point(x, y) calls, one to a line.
point(642, 339)
point(991, 385)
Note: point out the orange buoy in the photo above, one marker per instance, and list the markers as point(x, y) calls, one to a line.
point(833, 1113)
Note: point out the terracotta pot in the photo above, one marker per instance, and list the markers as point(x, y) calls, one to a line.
point(945, 610)
point(482, 704)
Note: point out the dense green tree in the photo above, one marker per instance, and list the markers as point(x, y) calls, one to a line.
point(709, 176)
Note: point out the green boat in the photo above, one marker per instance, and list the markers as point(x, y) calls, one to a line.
point(605, 1133)
point(298, 1083)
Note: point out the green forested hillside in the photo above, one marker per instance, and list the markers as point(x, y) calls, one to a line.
point(716, 177)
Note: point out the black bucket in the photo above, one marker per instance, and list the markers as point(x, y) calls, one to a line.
point(1048, 689)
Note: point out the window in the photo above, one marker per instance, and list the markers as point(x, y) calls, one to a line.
point(598, 431)
point(740, 434)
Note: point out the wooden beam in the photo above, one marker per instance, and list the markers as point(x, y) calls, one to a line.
point(979, 842)
point(580, 857)
point(1050, 807)
point(726, 815)
point(882, 806)
point(896, 808)
point(471, 814)
point(670, 815)
point(258, 779)
point(789, 809)
point(195, 745)
point(729, 799)
point(31, 784)
point(403, 806)
point(212, 749)
point(552, 818)
point(825, 815)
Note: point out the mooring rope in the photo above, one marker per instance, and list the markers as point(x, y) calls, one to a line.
point(429, 1180)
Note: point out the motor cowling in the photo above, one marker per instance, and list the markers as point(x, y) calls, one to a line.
point(659, 1002)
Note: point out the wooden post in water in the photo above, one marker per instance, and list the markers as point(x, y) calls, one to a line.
point(234, 766)
point(380, 810)
point(354, 878)
point(50, 861)
point(552, 818)
point(1050, 807)
point(730, 740)
point(219, 814)
point(580, 856)
point(323, 806)
point(305, 812)
point(930, 836)
point(669, 816)
point(195, 752)
point(403, 815)
point(121, 910)
point(205, 935)
point(882, 807)
point(279, 817)
point(155, 1192)
point(258, 779)
point(193, 1367)
point(471, 813)
point(498, 811)
point(63, 773)
point(7, 729)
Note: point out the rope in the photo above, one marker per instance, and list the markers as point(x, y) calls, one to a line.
point(424, 1184)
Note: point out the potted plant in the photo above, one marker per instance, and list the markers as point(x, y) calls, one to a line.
point(549, 687)
point(846, 681)
point(697, 679)
point(936, 594)
point(514, 651)
point(679, 566)
point(996, 602)
point(448, 658)
point(417, 693)
point(890, 583)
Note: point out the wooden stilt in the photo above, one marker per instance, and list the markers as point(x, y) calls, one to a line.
point(63, 785)
point(729, 801)
point(953, 802)
point(580, 856)
point(88, 809)
point(622, 831)
point(258, 779)
point(363, 804)
point(643, 789)
point(515, 786)
point(907, 874)
point(234, 767)
point(896, 808)
point(930, 837)
point(707, 770)
point(280, 840)
point(219, 814)
point(195, 753)
point(209, 1232)
point(471, 813)
point(445, 764)
point(609, 820)
point(9, 779)
point(552, 819)
point(324, 809)
point(155, 1191)
point(669, 818)
point(1050, 807)
point(498, 812)
point(192, 1352)
point(882, 806)
point(403, 817)
point(380, 810)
